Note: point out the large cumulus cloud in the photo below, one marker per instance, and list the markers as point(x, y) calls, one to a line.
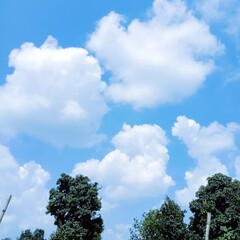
point(163, 59)
point(135, 168)
point(54, 94)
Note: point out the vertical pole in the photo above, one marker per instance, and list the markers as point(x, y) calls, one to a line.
point(208, 226)
point(4, 210)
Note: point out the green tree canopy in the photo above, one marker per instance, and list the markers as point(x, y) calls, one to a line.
point(75, 205)
point(164, 223)
point(38, 234)
point(220, 197)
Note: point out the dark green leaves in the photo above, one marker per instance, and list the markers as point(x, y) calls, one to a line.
point(165, 223)
point(75, 205)
point(38, 234)
point(220, 197)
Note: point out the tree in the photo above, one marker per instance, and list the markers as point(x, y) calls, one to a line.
point(220, 197)
point(75, 205)
point(164, 223)
point(38, 234)
point(26, 235)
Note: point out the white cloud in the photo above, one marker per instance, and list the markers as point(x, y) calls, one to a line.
point(237, 167)
point(226, 16)
point(26, 183)
point(54, 94)
point(119, 232)
point(108, 206)
point(204, 144)
point(164, 59)
point(218, 10)
point(225, 13)
point(212, 10)
point(137, 166)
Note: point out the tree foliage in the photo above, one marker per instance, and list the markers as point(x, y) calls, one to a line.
point(220, 197)
point(164, 223)
point(38, 234)
point(75, 205)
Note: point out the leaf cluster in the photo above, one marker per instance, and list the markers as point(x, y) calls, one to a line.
point(75, 205)
point(164, 223)
point(220, 197)
point(38, 234)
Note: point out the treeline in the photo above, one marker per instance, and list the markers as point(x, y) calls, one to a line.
point(220, 197)
point(75, 205)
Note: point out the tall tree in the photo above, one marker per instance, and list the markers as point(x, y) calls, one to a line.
point(220, 197)
point(75, 205)
point(165, 223)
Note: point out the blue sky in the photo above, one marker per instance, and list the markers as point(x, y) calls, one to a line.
point(141, 96)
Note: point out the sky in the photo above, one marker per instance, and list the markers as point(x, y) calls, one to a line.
point(140, 96)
